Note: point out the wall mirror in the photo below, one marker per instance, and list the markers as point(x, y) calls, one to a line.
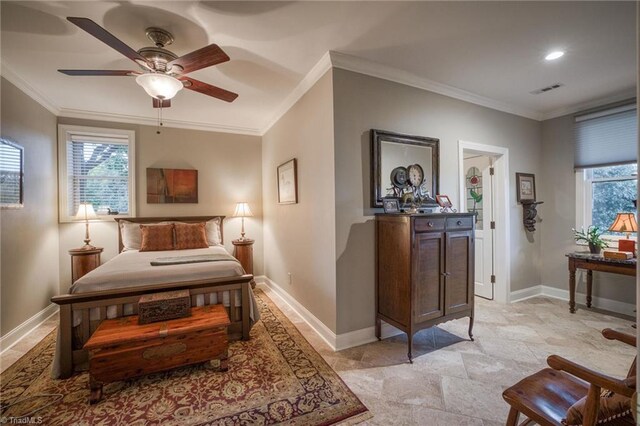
point(393, 166)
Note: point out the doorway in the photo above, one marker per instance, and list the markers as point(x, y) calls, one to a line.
point(484, 185)
point(478, 170)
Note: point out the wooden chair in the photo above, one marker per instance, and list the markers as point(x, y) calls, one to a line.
point(545, 397)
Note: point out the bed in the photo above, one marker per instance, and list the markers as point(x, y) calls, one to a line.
point(113, 290)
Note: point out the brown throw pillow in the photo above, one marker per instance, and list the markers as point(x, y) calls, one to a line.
point(156, 237)
point(191, 236)
point(615, 410)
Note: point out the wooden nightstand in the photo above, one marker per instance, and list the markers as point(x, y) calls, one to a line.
point(83, 261)
point(243, 251)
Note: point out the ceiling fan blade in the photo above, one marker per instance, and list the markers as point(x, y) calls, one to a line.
point(208, 89)
point(109, 39)
point(115, 73)
point(166, 103)
point(198, 59)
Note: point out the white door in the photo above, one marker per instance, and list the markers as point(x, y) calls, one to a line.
point(479, 191)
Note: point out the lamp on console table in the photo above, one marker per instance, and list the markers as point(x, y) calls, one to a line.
point(625, 222)
point(86, 212)
point(242, 210)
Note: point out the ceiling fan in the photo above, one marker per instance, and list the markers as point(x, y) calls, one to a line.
point(163, 73)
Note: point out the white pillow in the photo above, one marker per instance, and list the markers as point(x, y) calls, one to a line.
point(214, 236)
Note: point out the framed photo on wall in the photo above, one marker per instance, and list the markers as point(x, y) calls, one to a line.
point(288, 182)
point(525, 187)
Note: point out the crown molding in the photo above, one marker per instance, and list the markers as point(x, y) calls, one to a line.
point(385, 72)
point(147, 121)
point(312, 77)
point(622, 96)
point(29, 90)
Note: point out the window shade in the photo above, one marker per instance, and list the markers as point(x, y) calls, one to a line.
point(606, 138)
point(98, 173)
point(10, 174)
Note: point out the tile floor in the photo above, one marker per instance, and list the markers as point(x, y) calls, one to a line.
point(454, 381)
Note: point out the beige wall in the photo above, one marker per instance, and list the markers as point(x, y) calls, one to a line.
point(229, 170)
point(559, 215)
point(300, 238)
point(361, 103)
point(29, 249)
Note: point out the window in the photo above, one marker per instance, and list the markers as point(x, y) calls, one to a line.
point(11, 175)
point(606, 191)
point(96, 166)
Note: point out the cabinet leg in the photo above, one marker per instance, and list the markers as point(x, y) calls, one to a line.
point(589, 286)
point(379, 328)
point(471, 328)
point(410, 344)
point(96, 390)
point(572, 291)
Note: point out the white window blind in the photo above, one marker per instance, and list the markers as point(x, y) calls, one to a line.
point(96, 168)
point(606, 138)
point(10, 174)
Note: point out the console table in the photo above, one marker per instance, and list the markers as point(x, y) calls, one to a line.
point(594, 262)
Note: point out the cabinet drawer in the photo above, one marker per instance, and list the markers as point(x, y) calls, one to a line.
point(429, 224)
point(459, 223)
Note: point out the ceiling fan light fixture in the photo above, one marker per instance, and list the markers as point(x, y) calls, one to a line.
point(159, 86)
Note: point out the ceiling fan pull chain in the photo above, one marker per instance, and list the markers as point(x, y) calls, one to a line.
point(159, 117)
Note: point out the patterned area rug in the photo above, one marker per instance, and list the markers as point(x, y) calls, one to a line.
point(274, 378)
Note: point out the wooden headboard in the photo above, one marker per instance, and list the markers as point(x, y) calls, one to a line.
point(186, 219)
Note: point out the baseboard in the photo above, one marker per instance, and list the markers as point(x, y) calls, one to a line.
point(336, 342)
point(597, 302)
point(318, 326)
point(526, 293)
point(562, 294)
point(21, 331)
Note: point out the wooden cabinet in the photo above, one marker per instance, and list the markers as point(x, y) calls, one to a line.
point(83, 261)
point(424, 270)
point(243, 251)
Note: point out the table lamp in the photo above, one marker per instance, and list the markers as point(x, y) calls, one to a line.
point(625, 222)
point(242, 210)
point(86, 212)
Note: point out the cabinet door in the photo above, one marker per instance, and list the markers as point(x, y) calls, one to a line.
point(428, 276)
point(459, 264)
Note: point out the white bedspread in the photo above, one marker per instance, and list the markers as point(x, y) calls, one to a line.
point(132, 268)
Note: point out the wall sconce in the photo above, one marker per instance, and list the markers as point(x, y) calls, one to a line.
point(529, 213)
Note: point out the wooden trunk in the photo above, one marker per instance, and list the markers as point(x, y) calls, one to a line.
point(121, 348)
point(425, 270)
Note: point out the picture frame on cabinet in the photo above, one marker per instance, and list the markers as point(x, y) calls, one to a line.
point(391, 205)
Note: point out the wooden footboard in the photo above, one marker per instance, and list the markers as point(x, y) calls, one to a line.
point(71, 353)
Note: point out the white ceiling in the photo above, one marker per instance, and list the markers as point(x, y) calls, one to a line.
point(491, 49)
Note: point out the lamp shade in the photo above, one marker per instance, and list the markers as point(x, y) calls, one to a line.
point(242, 210)
point(625, 222)
point(159, 86)
point(86, 212)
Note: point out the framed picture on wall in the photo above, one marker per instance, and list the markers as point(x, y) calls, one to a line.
point(288, 182)
point(11, 175)
point(525, 187)
point(168, 186)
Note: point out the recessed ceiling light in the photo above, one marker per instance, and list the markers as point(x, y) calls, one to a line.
point(554, 55)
